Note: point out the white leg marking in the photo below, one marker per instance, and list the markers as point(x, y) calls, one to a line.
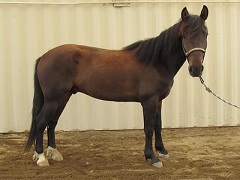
point(54, 154)
point(162, 155)
point(158, 164)
point(41, 159)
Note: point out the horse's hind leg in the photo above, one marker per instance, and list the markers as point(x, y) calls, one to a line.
point(48, 110)
point(162, 152)
point(52, 150)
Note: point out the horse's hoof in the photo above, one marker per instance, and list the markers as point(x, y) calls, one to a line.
point(160, 155)
point(40, 159)
point(54, 154)
point(157, 164)
point(43, 162)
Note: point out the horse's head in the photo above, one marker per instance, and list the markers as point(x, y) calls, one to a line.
point(194, 39)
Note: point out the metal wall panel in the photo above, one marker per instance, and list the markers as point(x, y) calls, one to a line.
point(30, 28)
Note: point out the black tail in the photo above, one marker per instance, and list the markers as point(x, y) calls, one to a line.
point(37, 106)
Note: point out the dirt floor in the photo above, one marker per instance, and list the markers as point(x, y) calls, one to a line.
point(195, 153)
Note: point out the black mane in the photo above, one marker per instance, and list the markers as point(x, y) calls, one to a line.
point(148, 51)
point(155, 50)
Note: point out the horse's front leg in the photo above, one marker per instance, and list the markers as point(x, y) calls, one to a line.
point(149, 112)
point(162, 152)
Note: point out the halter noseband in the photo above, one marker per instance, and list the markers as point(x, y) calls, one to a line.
point(187, 53)
point(194, 49)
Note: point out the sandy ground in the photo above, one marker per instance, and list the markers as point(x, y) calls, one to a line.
point(195, 153)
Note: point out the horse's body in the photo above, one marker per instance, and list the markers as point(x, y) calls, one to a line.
point(85, 68)
point(142, 72)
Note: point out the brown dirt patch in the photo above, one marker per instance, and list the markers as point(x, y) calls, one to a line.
point(195, 153)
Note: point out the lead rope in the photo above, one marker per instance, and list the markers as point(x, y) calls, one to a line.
point(210, 91)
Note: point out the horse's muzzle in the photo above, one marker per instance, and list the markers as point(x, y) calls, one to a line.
point(195, 60)
point(195, 70)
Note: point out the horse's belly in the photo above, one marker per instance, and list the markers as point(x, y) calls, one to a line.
point(110, 88)
point(110, 94)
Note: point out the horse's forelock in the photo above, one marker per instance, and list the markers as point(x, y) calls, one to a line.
point(193, 25)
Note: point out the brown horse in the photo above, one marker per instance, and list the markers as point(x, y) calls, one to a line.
point(142, 72)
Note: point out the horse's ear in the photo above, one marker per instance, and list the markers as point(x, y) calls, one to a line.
point(204, 12)
point(184, 14)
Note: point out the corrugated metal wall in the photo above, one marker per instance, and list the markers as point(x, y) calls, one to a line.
point(29, 29)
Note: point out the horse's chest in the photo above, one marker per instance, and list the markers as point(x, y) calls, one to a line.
point(165, 88)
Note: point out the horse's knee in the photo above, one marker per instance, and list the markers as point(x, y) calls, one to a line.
point(148, 132)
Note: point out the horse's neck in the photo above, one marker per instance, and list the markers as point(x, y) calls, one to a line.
point(175, 59)
point(172, 56)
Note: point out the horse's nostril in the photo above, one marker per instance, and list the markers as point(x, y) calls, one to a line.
point(193, 69)
point(190, 69)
